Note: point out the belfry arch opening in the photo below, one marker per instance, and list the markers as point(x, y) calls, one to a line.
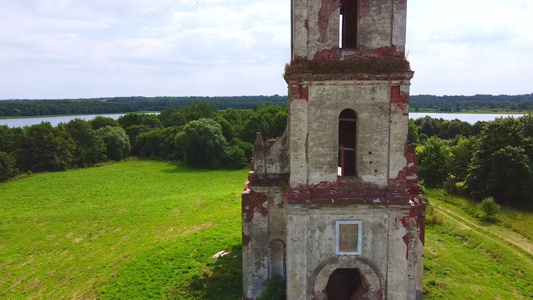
point(347, 143)
point(345, 284)
point(349, 16)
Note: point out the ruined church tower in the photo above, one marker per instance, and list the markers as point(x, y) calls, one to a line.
point(333, 207)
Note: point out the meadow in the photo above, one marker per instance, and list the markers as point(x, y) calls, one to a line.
point(468, 258)
point(129, 230)
point(144, 229)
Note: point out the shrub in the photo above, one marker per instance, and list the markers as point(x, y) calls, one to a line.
point(275, 290)
point(449, 186)
point(490, 208)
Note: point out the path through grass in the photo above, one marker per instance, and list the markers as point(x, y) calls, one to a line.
point(469, 259)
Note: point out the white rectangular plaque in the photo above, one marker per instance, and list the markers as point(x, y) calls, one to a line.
point(348, 237)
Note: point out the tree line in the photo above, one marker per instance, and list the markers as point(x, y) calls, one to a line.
point(125, 104)
point(198, 134)
point(483, 160)
point(22, 107)
point(472, 103)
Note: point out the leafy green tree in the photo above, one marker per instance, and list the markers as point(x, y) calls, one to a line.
point(227, 128)
point(100, 122)
point(89, 147)
point(428, 126)
point(199, 110)
point(203, 143)
point(478, 127)
point(131, 119)
point(235, 158)
point(254, 124)
point(133, 132)
point(512, 178)
point(450, 129)
point(8, 166)
point(460, 159)
point(10, 138)
point(412, 133)
point(433, 162)
point(45, 148)
point(248, 148)
point(172, 117)
point(279, 123)
point(168, 147)
point(149, 144)
point(422, 138)
point(500, 165)
point(116, 141)
point(527, 121)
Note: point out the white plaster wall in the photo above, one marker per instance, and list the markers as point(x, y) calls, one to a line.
point(399, 126)
point(375, 28)
point(378, 27)
point(322, 234)
point(371, 101)
point(299, 31)
point(297, 141)
point(297, 248)
point(399, 23)
point(311, 242)
point(397, 287)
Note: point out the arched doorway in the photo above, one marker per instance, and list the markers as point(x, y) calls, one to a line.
point(347, 143)
point(345, 284)
point(345, 277)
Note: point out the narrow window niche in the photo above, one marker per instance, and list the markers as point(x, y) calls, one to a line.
point(349, 19)
point(348, 237)
point(347, 143)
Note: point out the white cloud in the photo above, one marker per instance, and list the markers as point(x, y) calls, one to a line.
point(80, 48)
point(469, 47)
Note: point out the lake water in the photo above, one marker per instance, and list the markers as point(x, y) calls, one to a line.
point(470, 118)
point(21, 122)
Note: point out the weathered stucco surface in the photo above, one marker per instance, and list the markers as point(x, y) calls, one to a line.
point(294, 196)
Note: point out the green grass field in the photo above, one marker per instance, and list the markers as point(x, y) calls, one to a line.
point(148, 230)
point(466, 258)
point(136, 229)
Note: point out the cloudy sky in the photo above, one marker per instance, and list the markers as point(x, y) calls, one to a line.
point(96, 48)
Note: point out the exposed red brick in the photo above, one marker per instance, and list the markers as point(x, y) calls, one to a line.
point(326, 9)
point(298, 92)
point(253, 202)
point(398, 98)
point(246, 238)
point(304, 93)
point(345, 193)
point(294, 92)
point(361, 52)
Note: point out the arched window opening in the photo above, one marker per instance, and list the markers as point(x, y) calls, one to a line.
point(345, 284)
point(347, 143)
point(277, 259)
point(348, 23)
